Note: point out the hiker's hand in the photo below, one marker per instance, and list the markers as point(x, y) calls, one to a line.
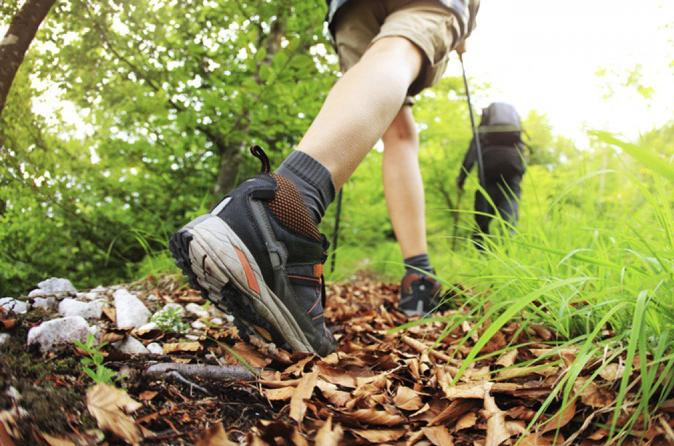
point(461, 47)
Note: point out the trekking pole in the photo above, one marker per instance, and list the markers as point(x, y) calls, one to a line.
point(456, 218)
point(335, 232)
point(478, 147)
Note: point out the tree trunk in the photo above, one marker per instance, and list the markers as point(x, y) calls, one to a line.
point(228, 171)
point(14, 45)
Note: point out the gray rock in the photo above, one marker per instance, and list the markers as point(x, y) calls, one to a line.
point(53, 286)
point(130, 311)
point(131, 346)
point(196, 310)
point(146, 328)
point(57, 332)
point(217, 321)
point(155, 348)
point(4, 337)
point(46, 303)
point(87, 296)
point(88, 310)
point(98, 289)
point(14, 305)
point(198, 325)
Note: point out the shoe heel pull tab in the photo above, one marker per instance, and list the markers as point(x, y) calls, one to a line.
point(259, 154)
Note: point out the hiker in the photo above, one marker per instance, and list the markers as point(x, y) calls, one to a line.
point(500, 134)
point(259, 254)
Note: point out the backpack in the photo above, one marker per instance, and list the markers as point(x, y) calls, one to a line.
point(500, 125)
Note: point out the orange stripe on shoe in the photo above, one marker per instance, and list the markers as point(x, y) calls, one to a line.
point(250, 274)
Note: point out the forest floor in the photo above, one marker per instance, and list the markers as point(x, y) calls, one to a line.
point(382, 386)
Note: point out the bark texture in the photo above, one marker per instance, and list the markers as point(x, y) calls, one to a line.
point(18, 38)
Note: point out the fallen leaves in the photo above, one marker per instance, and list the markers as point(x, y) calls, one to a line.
point(305, 388)
point(110, 407)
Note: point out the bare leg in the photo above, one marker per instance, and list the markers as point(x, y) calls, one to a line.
point(403, 187)
point(361, 105)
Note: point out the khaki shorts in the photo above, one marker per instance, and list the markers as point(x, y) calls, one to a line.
point(426, 23)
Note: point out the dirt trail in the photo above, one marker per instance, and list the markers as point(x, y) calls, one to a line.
point(380, 387)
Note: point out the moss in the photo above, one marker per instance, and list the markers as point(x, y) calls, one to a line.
point(50, 388)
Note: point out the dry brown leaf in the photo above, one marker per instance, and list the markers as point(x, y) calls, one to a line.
point(250, 354)
point(215, 436)
point(327, 436)
point(376, 417)
point(304, 390)
point(591, 394)
point(560, 419)
point(281, 394)
point(612, 372)
point(332, 394)
point(495, 343)
point(463, 391)
point(438, 435)
point(466, 422)
point(407, 399)
point(172, 347)
point(497, 431)
point(336, 376)
point(519, 372)
point(378, 436)
point(454, 411)
point(297, 368)
point(298, 439)
point(540, 440)
point(147, 395)
point(110, 406)
point(52, 440)
point(507, 359)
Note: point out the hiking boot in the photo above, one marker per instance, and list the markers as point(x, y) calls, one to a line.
point(418, 294)
point(258, 255)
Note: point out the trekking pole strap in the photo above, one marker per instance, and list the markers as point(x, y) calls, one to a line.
point(476, 137)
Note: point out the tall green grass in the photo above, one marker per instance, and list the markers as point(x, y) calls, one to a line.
point(592, 259)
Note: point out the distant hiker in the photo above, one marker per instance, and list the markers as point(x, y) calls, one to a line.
point(500, 134)
point(259, 253)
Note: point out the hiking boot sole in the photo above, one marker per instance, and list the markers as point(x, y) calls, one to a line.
point(219, 264)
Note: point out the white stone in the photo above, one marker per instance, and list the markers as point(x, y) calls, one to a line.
point(4, 337)
point(193, 337)
point(155, 348)
point(146, 328)
point(53, 286)
point(131, 346)
point(14, 305)
point(87, 296)
point(98, 289)
point(198, 325)
point(88, 310)
point(57, 332)
point(217, 321)
point(196, 310)
point(46, 303)
point(130, 311)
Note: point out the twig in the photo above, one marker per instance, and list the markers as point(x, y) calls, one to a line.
point(186, 381)
point(420, 347)
point(212, 372)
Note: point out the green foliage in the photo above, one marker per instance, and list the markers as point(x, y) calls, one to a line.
point(170, 98)
point(169, 320)
point(93, 365)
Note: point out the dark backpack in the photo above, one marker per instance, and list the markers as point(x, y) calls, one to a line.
point(500, 125)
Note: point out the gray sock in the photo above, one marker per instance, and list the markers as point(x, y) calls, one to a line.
point(312, 179)
point(419, 262)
